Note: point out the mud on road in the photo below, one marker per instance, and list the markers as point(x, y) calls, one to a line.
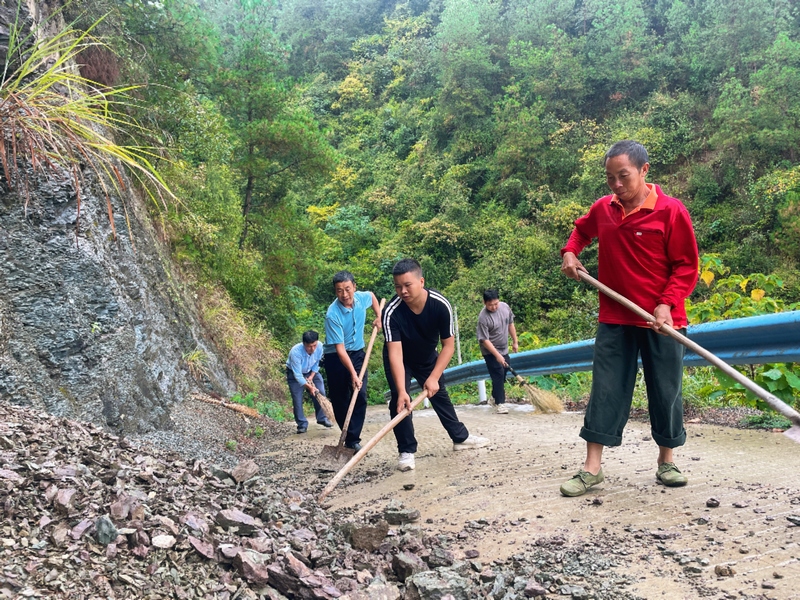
point(504, 500)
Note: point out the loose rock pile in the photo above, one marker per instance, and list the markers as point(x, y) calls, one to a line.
point(91, 515)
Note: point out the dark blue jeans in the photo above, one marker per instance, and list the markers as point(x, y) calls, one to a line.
point(296, 389)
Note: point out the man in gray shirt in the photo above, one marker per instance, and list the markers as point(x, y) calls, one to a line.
point(495, 324)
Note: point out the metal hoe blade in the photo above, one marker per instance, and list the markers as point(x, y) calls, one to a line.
point(793, 433)
point(333, 458)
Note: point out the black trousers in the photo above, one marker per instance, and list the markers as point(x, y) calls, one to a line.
point(498, 374)
point(404, 432)
point(616, 350)
point(340, 388)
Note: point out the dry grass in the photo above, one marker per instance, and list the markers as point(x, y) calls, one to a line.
point(58, 123)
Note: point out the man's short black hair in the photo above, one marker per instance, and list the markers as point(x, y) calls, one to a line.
point(635, 152)
point(310, 336)
point(491, 294)
point(407, 265)
point(343, 276)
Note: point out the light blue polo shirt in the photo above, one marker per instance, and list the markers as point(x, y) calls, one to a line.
point(301, 362)
point(346, 325)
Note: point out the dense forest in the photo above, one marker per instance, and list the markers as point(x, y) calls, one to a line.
point(302, 137)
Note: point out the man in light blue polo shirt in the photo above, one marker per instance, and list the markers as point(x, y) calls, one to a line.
point(302, 374)
point(344, 352)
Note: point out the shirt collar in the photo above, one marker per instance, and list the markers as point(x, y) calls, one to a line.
point(649, 202)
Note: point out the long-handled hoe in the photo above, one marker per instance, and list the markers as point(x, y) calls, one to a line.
point(773, 401)
point(370, 445)
point(333, 457)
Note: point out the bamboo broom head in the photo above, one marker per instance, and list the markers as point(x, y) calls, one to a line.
point(546, 402)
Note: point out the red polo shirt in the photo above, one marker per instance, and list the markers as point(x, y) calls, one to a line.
point(649, 256)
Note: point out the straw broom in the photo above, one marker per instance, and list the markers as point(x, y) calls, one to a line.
point(326, 406)
point(546, 402)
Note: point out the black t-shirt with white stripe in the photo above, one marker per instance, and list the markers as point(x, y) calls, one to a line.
point(420, 333)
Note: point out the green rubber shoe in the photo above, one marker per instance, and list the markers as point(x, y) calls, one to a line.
point(581, 482)
point(669, 475)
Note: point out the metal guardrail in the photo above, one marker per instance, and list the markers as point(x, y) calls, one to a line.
point(752, 340)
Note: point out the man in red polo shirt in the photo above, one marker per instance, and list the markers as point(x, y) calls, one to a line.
point(648, 253)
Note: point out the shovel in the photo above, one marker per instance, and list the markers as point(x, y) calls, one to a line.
point(772, 401)
point(333, 457)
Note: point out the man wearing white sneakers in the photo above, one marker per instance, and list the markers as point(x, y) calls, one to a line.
point(495, 324)
point(413, 323)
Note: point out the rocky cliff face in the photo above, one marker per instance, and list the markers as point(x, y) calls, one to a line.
point(91, 327)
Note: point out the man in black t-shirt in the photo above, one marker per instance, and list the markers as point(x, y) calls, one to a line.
point(413, 323)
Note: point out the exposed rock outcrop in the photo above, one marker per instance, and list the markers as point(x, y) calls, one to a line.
point(91, 327)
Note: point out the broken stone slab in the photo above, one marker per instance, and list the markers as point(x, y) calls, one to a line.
point(59, 534)
point(252, 566)
point(282, 581)
point(439, 557)
point(64, 499)
point(533, 589)
point(244, 523)
point(244, 471)
point(406, 564)
point(163, 541)
point(724, 571)
point(104, 531)
point(120, 509)
point(221, 474)
point(80, 529)
point(228, 551)
point(264, 545)
point(303, 535)
point(202, 547)
point(435, 585)
point(575, 591)
point(12, 476)
point(366, 537)
point(397, 514)
point(195, 522)
point(296, 567)
point(377, 590)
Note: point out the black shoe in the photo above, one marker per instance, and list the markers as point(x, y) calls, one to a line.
point(354, 446)
point(326, 423)
point(302, 429)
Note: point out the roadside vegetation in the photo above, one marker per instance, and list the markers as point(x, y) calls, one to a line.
point(307, 136)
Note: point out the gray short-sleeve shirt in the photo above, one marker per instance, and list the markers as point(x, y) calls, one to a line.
point(493, 326)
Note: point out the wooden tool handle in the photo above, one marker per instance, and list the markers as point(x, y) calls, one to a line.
point(360, 376)
point(773, 401)
point(369, 446)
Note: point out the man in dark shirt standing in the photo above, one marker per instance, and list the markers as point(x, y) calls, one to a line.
point(413, 323)
point(495, 324)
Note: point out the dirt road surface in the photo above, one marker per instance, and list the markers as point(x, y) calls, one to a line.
point(505, 498)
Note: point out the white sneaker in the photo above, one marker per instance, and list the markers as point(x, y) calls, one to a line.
point(473, 441)
point(501, 409)
point(406, 462)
